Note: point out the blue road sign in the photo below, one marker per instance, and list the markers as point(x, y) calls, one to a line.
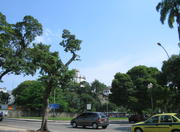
point(54, 106)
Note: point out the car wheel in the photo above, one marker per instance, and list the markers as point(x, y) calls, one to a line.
point(95, 125)
point(176, 131)
point(138, 130)
point(74, 124)
point(104, 127)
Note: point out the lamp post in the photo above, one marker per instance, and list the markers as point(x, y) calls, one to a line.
point(159, 44)
point(150, 85)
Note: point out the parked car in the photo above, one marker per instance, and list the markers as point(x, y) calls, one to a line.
point(1, 116)
point(137, 118)
point(166, 122)
point(94, 119)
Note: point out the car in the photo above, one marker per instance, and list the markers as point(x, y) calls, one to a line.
point(166, 122)
point(1, 116)
point(137, 118)
point(93, 119)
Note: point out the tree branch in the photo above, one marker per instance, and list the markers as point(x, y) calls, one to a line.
point(4, 73)
point(72, 59)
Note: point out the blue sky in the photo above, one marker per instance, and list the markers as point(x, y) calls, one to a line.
point(116, 35)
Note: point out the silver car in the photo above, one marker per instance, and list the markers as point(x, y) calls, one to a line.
point(94, 119)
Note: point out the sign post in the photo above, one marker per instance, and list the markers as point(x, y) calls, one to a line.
point(54, 107)
point(88, 106)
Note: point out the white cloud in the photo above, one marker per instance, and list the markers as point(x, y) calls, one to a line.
point(40, 39)
point(48, 37)
point(105, 71)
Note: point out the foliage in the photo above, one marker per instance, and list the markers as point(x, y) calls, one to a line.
point(141, 77)
point(121, 89)
point(75, 97)
point(170, 9)
point(171, 73)
point(15, 42)
point(97, 88)
point(4, 97)
point(28, 95)
point(131, 91)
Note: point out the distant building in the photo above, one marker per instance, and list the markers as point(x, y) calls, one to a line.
point(107, 92)
point(79, 78)
point(105, 96)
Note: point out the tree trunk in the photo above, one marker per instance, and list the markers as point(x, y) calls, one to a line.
point(45, 110)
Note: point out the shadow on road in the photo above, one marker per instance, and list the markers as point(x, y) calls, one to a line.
point(119, 122)
point(123, 129)
point(86, 128)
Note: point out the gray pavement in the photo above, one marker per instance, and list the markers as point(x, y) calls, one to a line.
point(4, 128)
point(27, 125)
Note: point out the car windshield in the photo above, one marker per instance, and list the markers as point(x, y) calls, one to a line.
point(178, 116)
point(152, 120)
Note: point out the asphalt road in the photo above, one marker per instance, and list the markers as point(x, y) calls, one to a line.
point(61, 126)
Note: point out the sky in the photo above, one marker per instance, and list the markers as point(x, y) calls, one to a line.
point(116, 35)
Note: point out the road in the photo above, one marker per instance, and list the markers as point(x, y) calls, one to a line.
point(60, 126)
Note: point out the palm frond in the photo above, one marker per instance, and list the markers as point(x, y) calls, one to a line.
point(171, 18)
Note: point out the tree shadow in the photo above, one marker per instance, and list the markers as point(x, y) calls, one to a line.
point(123, 129)
point(86, 128)
point(36, 131)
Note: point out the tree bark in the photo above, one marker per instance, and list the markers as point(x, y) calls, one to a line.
point(45, 109)
point(71, 60)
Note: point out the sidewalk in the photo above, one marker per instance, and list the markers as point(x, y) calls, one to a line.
point(11, 129)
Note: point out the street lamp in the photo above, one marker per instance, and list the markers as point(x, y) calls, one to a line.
point(150, 85)
point(159, 44)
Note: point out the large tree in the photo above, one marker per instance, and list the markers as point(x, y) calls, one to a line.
point(170, 9)
point(122, 87)
point(171, 72)
point(15, 42)
point(28, 95)
point(52, 70)
point(141, 77)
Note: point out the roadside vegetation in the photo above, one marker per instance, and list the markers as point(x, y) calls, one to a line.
point(140, 90)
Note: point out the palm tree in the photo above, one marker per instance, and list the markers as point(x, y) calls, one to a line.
point(170, 8)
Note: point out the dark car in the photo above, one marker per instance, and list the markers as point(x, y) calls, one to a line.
point(137, 118)
point(1, 116)
point(94, 119)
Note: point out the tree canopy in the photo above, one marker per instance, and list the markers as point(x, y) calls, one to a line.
point(171, 73)
point(28, 95)
point(131, 91)
point(15, 42)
